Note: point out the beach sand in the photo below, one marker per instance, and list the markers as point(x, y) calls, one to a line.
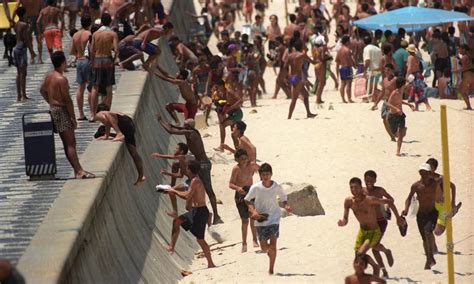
point(326, 152)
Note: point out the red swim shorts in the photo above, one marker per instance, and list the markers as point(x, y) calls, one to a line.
point(53, 39)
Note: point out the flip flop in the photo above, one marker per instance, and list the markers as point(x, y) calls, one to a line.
point(86, 175)
point(82, 118)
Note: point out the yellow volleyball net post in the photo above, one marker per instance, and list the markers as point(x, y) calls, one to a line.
point(447, 193)
point(286, 11)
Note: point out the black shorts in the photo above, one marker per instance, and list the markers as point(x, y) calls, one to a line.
point(441, 64)
point(426, 222)
point(127, 127)
point(195, 221)
point(103, 71)
point(241, 205)
point(396, 121)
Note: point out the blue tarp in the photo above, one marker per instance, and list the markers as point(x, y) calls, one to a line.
point(411, 19)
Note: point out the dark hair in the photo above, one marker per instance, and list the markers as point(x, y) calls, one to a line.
point(387, 33)
point(389, 66)
point(105, 19)
point(451, 30)
point(370, 173)
point(58, 58)
point(51, 2)
point(298, 45)
point(400, 82)
point(86, 21)
point(386, 48)
point(355, 180)
point(378, 33)
point(239, 153)
point(241, 126)
point(363, 258)
point(447, 72)
point(102, 107)
point(21, 11)
point(345, 39)
point(265, 168)
point(292, 18)
point(365, 7)
point(168, 26)
point(465, 47)
point(433, 163)
point(183, 147)
point(367, 40)
point(72, 32)
point(194, 166)
point(401, 32)
point(183, 73)
point(94, 28)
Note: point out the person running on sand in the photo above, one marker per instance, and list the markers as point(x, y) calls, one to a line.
point(196, 146)
point(383, 215)
point(439, 202)
point(266, 211)
point(426, 218)
point(241, 180)
point(125, 129)
point(48, 20)
point(388, 86)
point(365, 210)
point(296, 77)
point(359, 276)
point(190, 108)
point(396, 117)
point(238, 130)
point(197, 217)
point(344, 64)
point(55, 90)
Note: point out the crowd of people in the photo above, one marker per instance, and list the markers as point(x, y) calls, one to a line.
point(390, 64)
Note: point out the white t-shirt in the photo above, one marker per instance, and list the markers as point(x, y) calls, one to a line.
point(266, 201)
point(372, 53)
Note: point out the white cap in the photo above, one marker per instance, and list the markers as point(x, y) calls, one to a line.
point(425, 167)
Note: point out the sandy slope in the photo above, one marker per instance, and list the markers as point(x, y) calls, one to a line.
point(326, 152)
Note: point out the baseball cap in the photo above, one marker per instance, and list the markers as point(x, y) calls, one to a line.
point(425, 167)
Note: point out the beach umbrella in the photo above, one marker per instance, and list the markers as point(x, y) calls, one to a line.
point(411, 19)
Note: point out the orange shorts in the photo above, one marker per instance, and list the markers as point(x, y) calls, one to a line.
point(53, 39)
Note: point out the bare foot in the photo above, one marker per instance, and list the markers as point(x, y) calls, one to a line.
point(40, 60)
point(429, 264)
point(185, 273)
point(170, 249)
point(211, 265)
point(244, 248)
point(84, 175)
point(172, 214)
point(140, 181)
point(456, 208)
point(351, 101)
point(274, 97)
point(255, 244)
point(389, 258)
point(219, 149)
point(311, 115)
point(384, 272)
point(344, 101)
point(119, 137)
point(217, 220)
point(270, 272)
point(393, 139)
point(398, 154)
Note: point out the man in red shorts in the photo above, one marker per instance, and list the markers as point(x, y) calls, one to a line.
point(48, 19)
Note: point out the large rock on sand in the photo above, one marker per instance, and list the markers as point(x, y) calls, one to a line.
point(303, 199)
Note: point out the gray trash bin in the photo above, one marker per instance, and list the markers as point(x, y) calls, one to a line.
point(40, 152)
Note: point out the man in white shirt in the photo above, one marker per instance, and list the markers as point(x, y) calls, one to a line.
point(372, 55)
point(266, 211)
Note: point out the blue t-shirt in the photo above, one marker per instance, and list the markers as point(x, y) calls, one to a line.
point(400, 56)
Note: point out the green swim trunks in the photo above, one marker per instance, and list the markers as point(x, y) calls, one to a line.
point(370, 237)
point(236, 115)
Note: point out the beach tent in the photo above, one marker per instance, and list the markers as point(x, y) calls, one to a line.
point(411, 19)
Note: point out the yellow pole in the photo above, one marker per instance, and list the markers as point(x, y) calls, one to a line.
point(447, 194)
point(286, 11)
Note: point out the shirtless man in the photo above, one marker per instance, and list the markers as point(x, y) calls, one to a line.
point(319, 52)
point(196, 219)
point(48, 20)
point(388, 86)
point(241, 180)
point(365, 209)
point(185, 58)
point(238, 130)
point(396, 117)
point(383, 214)
point(103, 42)
point(190, 108)
point(344, 64)
point(20, 57)
point(425, 190)
point(55, 90)
point(143, 41)
point(295, 63)
point(196, 146)
point(282, 77)
point(467, 70)
point(292, 27)
point(439, 201)
point(111, 6)
point(33, 8)
point(439, 54)
point(83, 66)
point(360, 277)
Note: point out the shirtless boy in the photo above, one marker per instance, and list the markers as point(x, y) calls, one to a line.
point(230, 113)
point(49, 19)
point(33, 8)
point(388, 86)
point(241, 180)
point(426, 218)
point(396, 117)
point(103, 64)
point(360, 277)
point(143, 42)
point(125, 129)
point(365, 209)
point(370, 178)
point(83, 65)
point(295, 63)
point(190, 108)
point(196, 219)
point(20, 57)
point(55, 90)
point(238, 130)
point(344, 64)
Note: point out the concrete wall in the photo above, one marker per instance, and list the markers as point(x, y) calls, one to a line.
point(105, 230)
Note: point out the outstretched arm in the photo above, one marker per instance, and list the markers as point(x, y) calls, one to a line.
point(345, 218)
point(408, 200)
point(169, 128)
